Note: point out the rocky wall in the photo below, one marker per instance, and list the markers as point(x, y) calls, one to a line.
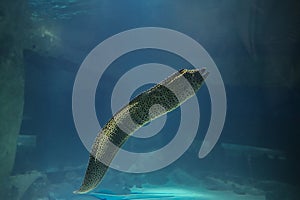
point(12, 33)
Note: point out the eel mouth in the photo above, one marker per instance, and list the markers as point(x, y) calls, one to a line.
point(203, 72)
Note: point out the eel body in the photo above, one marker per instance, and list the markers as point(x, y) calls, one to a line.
point(168, 94)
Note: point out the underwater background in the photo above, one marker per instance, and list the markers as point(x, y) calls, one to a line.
point(255, 45)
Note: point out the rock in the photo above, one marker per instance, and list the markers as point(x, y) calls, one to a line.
point(19, 184)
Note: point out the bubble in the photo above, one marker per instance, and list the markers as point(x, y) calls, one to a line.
point(96, 62)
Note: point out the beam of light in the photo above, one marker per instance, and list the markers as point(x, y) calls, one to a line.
point(154, 193)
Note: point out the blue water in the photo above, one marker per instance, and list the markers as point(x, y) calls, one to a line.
point(254, 45)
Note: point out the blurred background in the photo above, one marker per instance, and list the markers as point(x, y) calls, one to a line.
point(255, 44)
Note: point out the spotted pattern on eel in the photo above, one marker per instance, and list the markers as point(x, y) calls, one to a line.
point(169, 94)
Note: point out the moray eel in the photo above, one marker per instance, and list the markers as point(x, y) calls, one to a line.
point(169, 94)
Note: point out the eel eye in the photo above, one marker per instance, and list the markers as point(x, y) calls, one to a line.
point(182, 71)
